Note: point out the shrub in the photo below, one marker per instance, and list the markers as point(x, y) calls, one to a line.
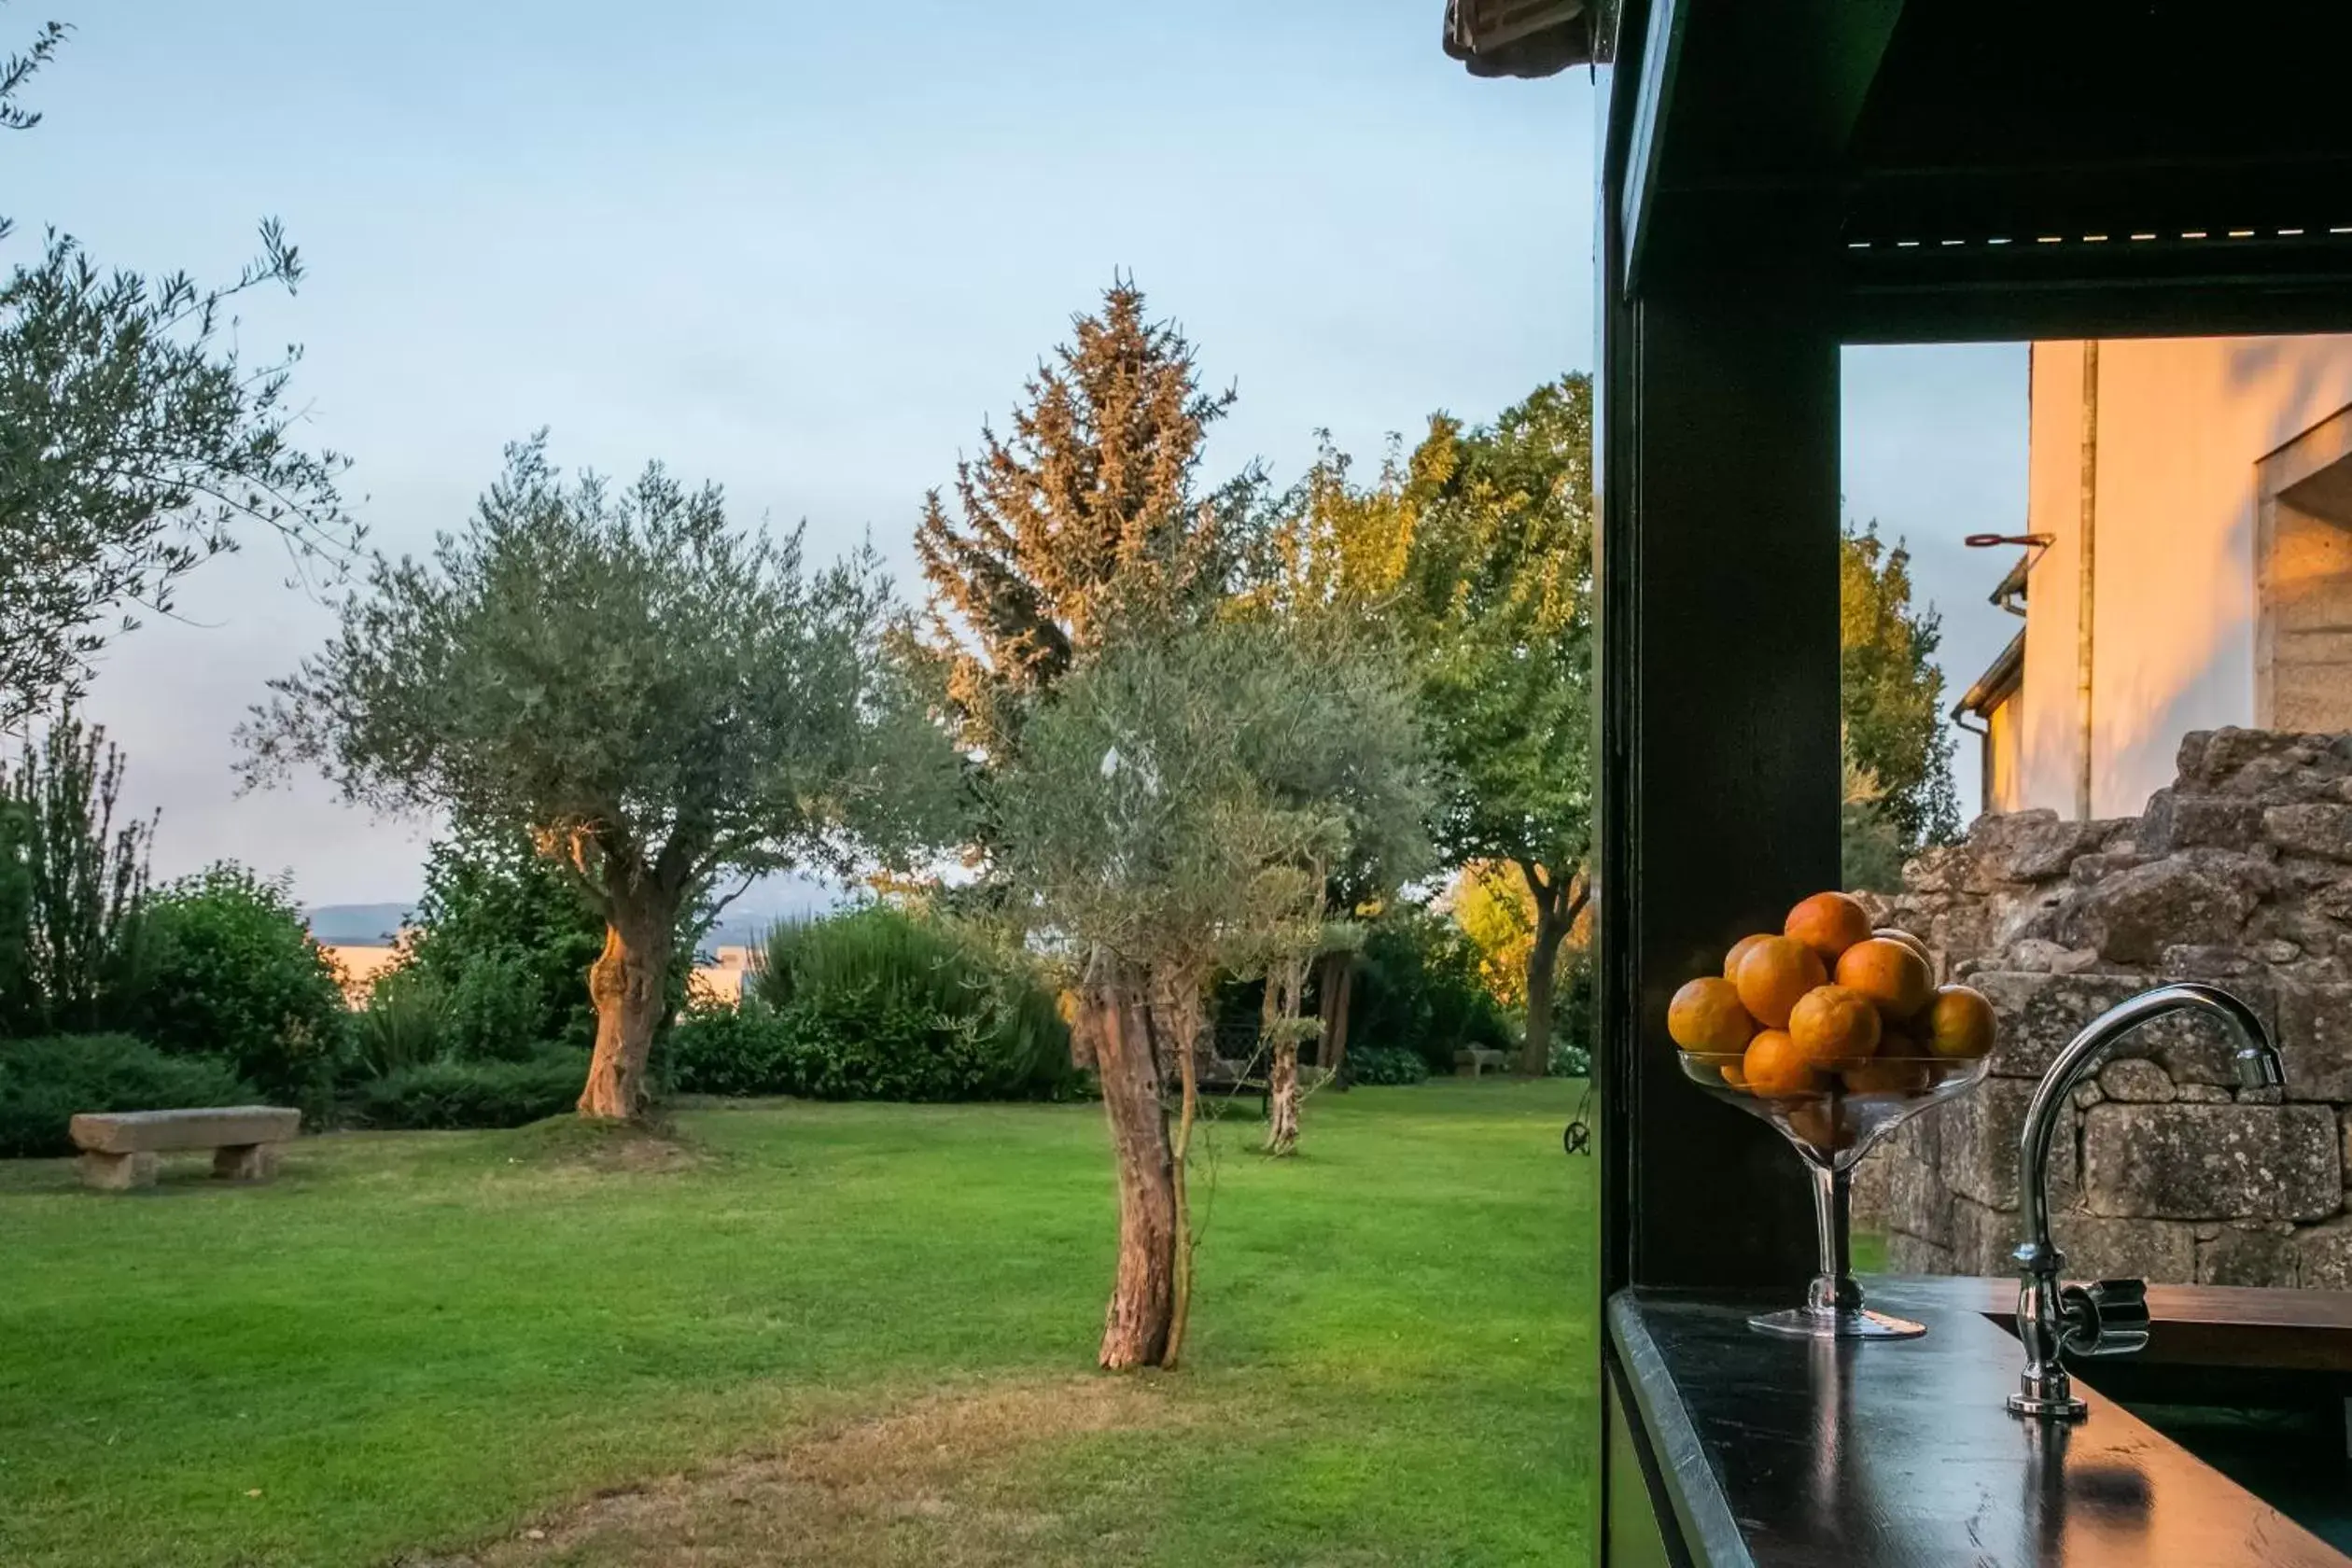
point(476, 1094)
point(405, 1024)
point(1386, 1064)
point(1418, 990)
point(1575, 1014)
point(232, 973)
point(44, 1080)
point(717, 1049)
point(881, 1004)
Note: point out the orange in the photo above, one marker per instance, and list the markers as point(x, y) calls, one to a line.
point(1740, 950)
point(1915, 944)
point(1886, 1077)
point(1829, 923)
point(1772, 1067)
point(1706, 1017)
point(1958, 1023)
point(1735, 1073)
point(1773, 974)
point(1834, 1027)
point(1893, 977)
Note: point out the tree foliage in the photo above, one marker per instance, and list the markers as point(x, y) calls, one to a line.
point(1087, 512)
point(1171, 813)
point(1479, 546)
point(655, 699)
point(136, 441)
point(1893, 692)
point(72, 882)
point(232, 973)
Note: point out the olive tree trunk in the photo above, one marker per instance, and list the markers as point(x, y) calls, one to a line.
point(629, 984)
point(1181, 1028)
point(1279, 1021)
point(1141, 1314)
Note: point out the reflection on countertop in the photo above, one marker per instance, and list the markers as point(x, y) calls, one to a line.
point(1894, 1454)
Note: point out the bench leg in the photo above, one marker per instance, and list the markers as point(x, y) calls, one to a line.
point(244, 1162)
point(118, 1172)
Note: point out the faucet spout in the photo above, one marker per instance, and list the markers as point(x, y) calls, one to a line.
point(2053, 1318)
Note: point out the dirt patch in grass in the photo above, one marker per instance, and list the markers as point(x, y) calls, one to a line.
point(937, 1482)
point(647, 1146)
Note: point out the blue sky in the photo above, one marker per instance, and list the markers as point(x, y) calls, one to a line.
point(806, 249)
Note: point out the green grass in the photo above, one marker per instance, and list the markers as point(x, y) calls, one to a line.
point(414, 1345)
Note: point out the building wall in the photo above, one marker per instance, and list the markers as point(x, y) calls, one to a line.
point(2183, 426)
point(2003, 785)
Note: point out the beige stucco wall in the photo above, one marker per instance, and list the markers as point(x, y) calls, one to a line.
point(2182, 425)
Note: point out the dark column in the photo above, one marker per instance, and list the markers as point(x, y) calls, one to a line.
point(1720, 780)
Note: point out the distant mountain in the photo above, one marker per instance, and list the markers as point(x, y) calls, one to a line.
point(357, 925)
point(770, 902)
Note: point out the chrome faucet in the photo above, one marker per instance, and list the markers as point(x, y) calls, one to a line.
point(2110, 1317)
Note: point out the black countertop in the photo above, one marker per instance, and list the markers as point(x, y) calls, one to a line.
point(1898, 1453)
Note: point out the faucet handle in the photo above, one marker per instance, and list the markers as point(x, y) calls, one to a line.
point(2107, 1317)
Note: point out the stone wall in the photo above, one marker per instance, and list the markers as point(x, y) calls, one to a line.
point(2240, 874)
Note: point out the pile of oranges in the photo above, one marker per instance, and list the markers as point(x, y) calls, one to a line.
point(1829, 1004)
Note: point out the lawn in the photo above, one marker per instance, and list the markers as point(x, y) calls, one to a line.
point(806, 1334)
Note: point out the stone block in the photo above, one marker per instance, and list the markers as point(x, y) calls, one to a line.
point(1983, 1240)
point(2315, 1036)
point(1919, 1201)
point(119, 1132)
point(2187, 1161)
point(1980, 1134)
point(2033, 845)
point(2323, 1255)
point(2331, 903)
point(2195, 896)
point(2101, 1248)
point(2137, 1081)
point(118, 1172)
point(2321, 829)
point(2257, 1256)
point(1915, 1255)
point(2174, 820)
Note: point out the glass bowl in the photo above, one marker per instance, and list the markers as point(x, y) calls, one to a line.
point(1832, 1125)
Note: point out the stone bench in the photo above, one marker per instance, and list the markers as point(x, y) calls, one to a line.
point(120, 1148)
point(1469, 1064)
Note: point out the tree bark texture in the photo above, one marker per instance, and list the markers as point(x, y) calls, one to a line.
point(1285, 982)
point(1184, 1039)
point(627, 984)
point(1558, 903)
point(1333, 993)
point(1136, 1326)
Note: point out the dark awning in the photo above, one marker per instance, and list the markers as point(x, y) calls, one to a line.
point(1518, 37)
point(1998, 685)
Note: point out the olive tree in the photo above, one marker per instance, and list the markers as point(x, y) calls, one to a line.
point(659, 700)
point(137, 441)
point(1170, 812)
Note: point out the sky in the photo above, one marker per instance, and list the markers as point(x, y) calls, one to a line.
point(804, 250)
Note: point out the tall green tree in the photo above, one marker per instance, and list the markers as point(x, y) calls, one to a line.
point(1499, 581)
point(659, 701)
point(136, 442)
point(1892, 698)
point(1088, 510)
point(1330, 564)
